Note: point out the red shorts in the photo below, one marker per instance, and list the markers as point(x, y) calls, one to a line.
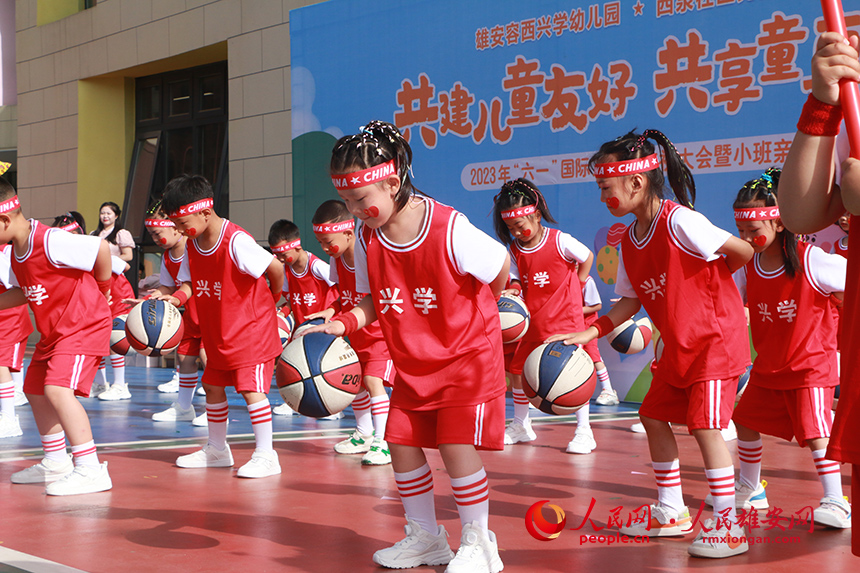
point(12, 356)
point(190, 346)
point(482, 425)
point(593, 351)
point(75, 371)
point(801, 413)
point(381, 368)
point(254, 378)
point(702, 405)
point(510, 351)
point(526, 347)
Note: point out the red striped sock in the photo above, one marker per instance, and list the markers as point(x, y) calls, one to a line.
point(749, 455)
point(7, 398)
point(117, 362)
point(187, 385)
point(379, 411)
point(261, 422)
point(521, 405)
point(668, 476)
point(54, 446)
point(472, 495)
point(216, 417)
point(829, 474)
point(416, 493)
point(721, 482)
point(85, 454)
point(603, 378)
point(361, 409)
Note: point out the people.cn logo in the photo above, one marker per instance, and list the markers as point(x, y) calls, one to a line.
point(539, 527)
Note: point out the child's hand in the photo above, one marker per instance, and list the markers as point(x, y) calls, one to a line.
point(168, 298)
point(578, 338)
point(850, 185)
point(834, 59)
point(323, 314)
point(335, 328)
point(511, 292)
point(107, 296)
point(130, 302)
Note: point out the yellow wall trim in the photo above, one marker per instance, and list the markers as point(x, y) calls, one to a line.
point(48, 11)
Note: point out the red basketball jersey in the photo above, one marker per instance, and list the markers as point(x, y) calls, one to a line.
point(441, 326)
point(368, 342)
point(189, 317)
point(237, 318)
point(71, 314)
point(120, 289)
point(551, 287)
point(793, 327)
point(309, 293)
point(693, 303)
point(14, 322)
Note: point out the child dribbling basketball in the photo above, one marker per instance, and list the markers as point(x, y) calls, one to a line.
point(224, 268)
point(333, 227)
point(433, 278)
point(679, 266)
point(552, 267)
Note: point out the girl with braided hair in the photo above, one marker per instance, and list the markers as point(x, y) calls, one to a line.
point(787, 286)
point(551, 266)
point(678, 266)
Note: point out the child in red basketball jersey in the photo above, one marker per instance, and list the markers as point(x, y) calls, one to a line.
point(164, 234)
point(226, 271)
point(679, 266)
point(433, 279)
point(333, 227)
point(55, 271)
point(16, 327)
point(788, 286)
point(552, 266)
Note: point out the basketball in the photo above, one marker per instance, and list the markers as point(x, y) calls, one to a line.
point(658, 349)
point(154, 327)
point(285, 327)
point(631, 337)
point(118, 340)
point(307, 324)
point(559, 379)
point(318, 374)
point(742, 381)
point(514, 316)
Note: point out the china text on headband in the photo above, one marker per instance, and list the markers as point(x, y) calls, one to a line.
point(287, 246)
point(757, 214)
point(364, 177)
point(70, 227)
point(629, 167)
point(150, 223)
point(192, 208)
point(335, 227)
point(10, 205)
point(518, 212)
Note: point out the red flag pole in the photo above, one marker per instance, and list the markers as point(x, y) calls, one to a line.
point(849, 94)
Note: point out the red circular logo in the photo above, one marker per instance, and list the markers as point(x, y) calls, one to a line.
point(539, 527)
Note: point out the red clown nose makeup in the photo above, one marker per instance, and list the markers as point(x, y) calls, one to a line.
point(372, 211)
point(613, 203)
point(760, 240)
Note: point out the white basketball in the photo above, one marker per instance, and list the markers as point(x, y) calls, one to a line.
point(559, 379)
point(154, 327)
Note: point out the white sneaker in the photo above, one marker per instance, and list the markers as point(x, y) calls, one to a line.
point(201, 391)
point(284, 410)
point(45, 471)
point(202, 421)
point(337, 416)
point(833, 513)
point(207, 457)
point(97, 389)
point(377, 455)
point(519, 432)
point(665, 522)
point(746, 497)
point(356, 443)
point(20, 398)
point(638, 428)
point(418, 548)
point(478, 552)
point(608, 398)
point(171, 387)
point(582, 442)
point(730, 433)
point(10, 427)
point(84, 479)
point(264, 463)
point(175, 414)
point(116, 392)
point(719, 543)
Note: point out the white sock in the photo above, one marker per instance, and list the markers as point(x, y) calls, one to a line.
point(472, 495)
point(379, 411)
point(829, 474)
point(416, 493)
point(85, 455)
point(7, 398)
point(668, 476)
point(102, 373)
point(361, 409)
point(18, 379)
point(54, 446)
point(216, 417)
point(582, 422)
point(117, 362)
point(603, 378)
point(187, 385)
point(721, 482)
point(261, 422)
point(521, 405)
point(749, 455)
